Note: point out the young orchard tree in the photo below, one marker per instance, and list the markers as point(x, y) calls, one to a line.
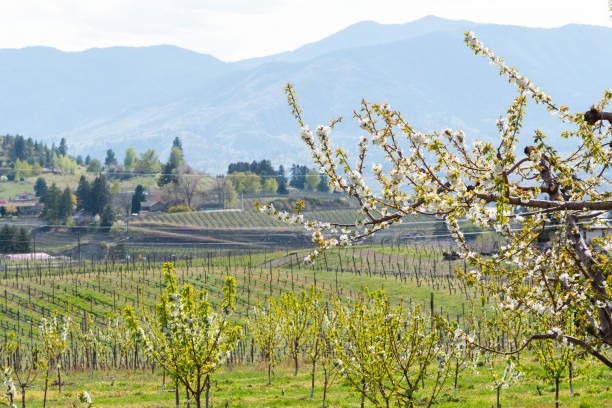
point(313, 346)
point(295, 319)
point(7, 351)
point(329, 333)
point(26, 371)
point(509, 377)
point(264, 325)
point(54, 335)
point(463, 356)
point(519, 194)
point(557, 357)
point(186, 337)
point(386, 352)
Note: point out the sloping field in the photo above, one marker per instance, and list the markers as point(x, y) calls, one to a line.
point(242, 218)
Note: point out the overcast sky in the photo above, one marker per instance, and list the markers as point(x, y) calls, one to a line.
point(237, 29)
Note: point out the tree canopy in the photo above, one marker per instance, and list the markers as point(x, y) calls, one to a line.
point(518, 194)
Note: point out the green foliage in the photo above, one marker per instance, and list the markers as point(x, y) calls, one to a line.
point(312, 180)
point(265, 325)
point(14, 239)
point(130, 159)
point(187, 337)
point(137, 199)
point(94, 166)
point(148, 162)
point(387, 351)
point(40, 188)
point(245, 182)
point(270, 186)
point(107, 218)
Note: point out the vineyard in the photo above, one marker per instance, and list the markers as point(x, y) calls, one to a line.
point(240, 218)
point(102, 357)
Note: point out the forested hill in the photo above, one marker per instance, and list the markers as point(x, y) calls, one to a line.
point(121, 96)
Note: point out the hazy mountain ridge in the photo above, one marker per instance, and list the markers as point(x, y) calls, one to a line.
point(144, 97)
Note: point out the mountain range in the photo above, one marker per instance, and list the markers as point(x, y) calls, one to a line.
point(143, 97)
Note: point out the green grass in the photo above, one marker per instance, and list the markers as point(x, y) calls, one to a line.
point(246, 386)
point(9, 189)
point(100, 288)
point(103, 288)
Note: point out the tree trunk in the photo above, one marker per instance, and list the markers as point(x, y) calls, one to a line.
point(312, 382)
point(23, 387)
point(456, 377)
point(557, 392)
point(177, 399)
point(269, 369)
point(59, 378)
point(46, 387)
point(362, 394)
point(207, 390)
point(591, 269)
point(498, 404)
point(324, 386)
point(295, 360)
point(571, 378)
point(188, 399)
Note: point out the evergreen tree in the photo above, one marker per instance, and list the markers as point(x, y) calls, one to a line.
point(100, 195)
point(323, 186)
point(40, 188)
point(282, 181)
point(167, 176)
point(168, 171)
point(110, 159)
point(87, 160)
point(83, 194)
point(238, 167)
point(7, 237)
point(107, 218)
point(52, 200)
point(63, 147)
point(298, 176)
point(79, 160)
point(177, 143)
point(137, 198)
point(21, 242)
point(19, 149)
point(64, 209)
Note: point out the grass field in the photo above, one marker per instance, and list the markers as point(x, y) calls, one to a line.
point(246, 386)
point(30, 292)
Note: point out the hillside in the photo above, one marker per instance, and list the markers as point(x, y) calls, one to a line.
point(236, 111)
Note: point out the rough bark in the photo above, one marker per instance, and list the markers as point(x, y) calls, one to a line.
point(590, 269)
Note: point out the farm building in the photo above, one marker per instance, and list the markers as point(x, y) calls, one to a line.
point(152, 206)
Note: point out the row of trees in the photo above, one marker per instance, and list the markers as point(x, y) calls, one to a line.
point(27, 158)
point(95, 199)
point(14, 239)
point(19, 148)
point(261, 177)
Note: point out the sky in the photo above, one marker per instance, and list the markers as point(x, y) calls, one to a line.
point(238, 29)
